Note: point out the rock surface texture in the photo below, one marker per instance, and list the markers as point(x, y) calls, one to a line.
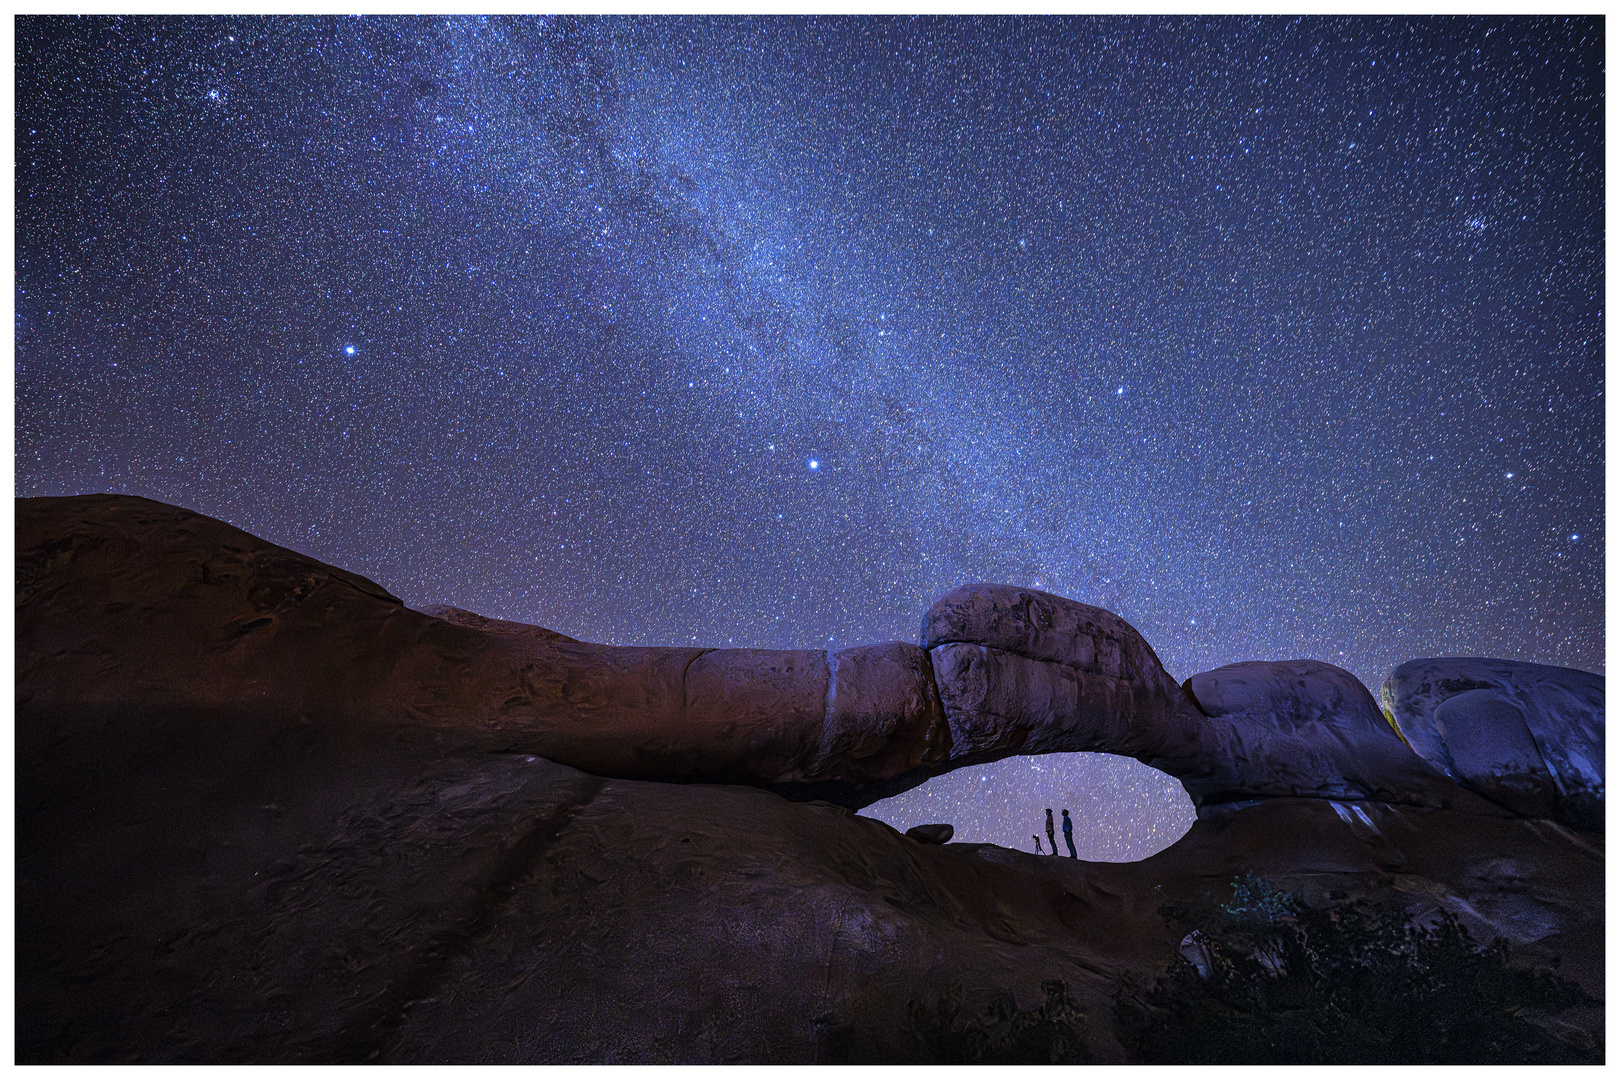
point(267, 813)
point(1528, 736)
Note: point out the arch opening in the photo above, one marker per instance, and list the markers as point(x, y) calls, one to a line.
point(1123, 811)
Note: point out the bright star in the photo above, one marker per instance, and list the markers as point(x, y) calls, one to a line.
point(814, 464)
point(349, 350)
point(1120, 391)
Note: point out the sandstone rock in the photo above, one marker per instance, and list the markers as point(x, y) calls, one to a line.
point(1042, 626)
point(1528, 736)
point(1022, 671)
point(152, 606)
point(884, 716)
point(123, 601)
point(932, 834)
point(999, 703)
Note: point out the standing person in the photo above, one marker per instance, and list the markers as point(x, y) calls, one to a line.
point(1037, 840)
point(1051, 833)
point(1068, 836)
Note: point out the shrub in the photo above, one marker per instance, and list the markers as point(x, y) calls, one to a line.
point(1049, 1034)
point(1352, 983)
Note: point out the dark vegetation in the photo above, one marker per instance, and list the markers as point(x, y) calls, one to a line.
point(1049, 1034)
point(1271, 980)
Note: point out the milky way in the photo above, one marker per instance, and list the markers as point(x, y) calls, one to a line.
point(1281, 338)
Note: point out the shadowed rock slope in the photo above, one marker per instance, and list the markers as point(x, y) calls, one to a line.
point(266, 813)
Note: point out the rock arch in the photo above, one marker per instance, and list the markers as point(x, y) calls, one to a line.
point(158, 612)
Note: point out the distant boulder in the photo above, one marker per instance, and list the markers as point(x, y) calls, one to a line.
point(932, 834)
point(1305, 727)
point(1289, 695)
point(1525, 736)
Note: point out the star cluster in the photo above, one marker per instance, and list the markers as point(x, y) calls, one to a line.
point(1280, 337)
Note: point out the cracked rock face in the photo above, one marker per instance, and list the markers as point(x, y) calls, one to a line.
point(1022, 671)
point(1527, 736)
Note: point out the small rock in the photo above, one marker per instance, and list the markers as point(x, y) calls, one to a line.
point(931, 834)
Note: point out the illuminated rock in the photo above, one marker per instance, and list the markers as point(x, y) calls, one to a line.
point(1022, 671)
point(1313, 729)
point(1290, 696)
point(1527, 736)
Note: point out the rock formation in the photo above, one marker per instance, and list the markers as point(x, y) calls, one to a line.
point(1527, 736)
point(1022, 671)
point(267, 813)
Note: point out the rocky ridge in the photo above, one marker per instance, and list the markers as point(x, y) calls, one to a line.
point(504, 844)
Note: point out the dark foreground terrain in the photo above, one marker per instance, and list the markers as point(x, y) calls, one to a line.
point(268, 814)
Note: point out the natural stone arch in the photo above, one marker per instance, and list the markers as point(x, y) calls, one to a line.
point(276, 642)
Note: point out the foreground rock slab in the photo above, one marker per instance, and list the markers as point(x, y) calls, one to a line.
point(305, 906)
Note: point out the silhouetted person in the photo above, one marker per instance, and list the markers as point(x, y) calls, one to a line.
point(1051, 833)
point(1068, 836)
point(1037, 840)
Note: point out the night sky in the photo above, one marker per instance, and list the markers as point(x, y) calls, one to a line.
point(1281, 338)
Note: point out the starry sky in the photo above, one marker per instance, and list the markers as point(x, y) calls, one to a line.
point(1280, 337)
